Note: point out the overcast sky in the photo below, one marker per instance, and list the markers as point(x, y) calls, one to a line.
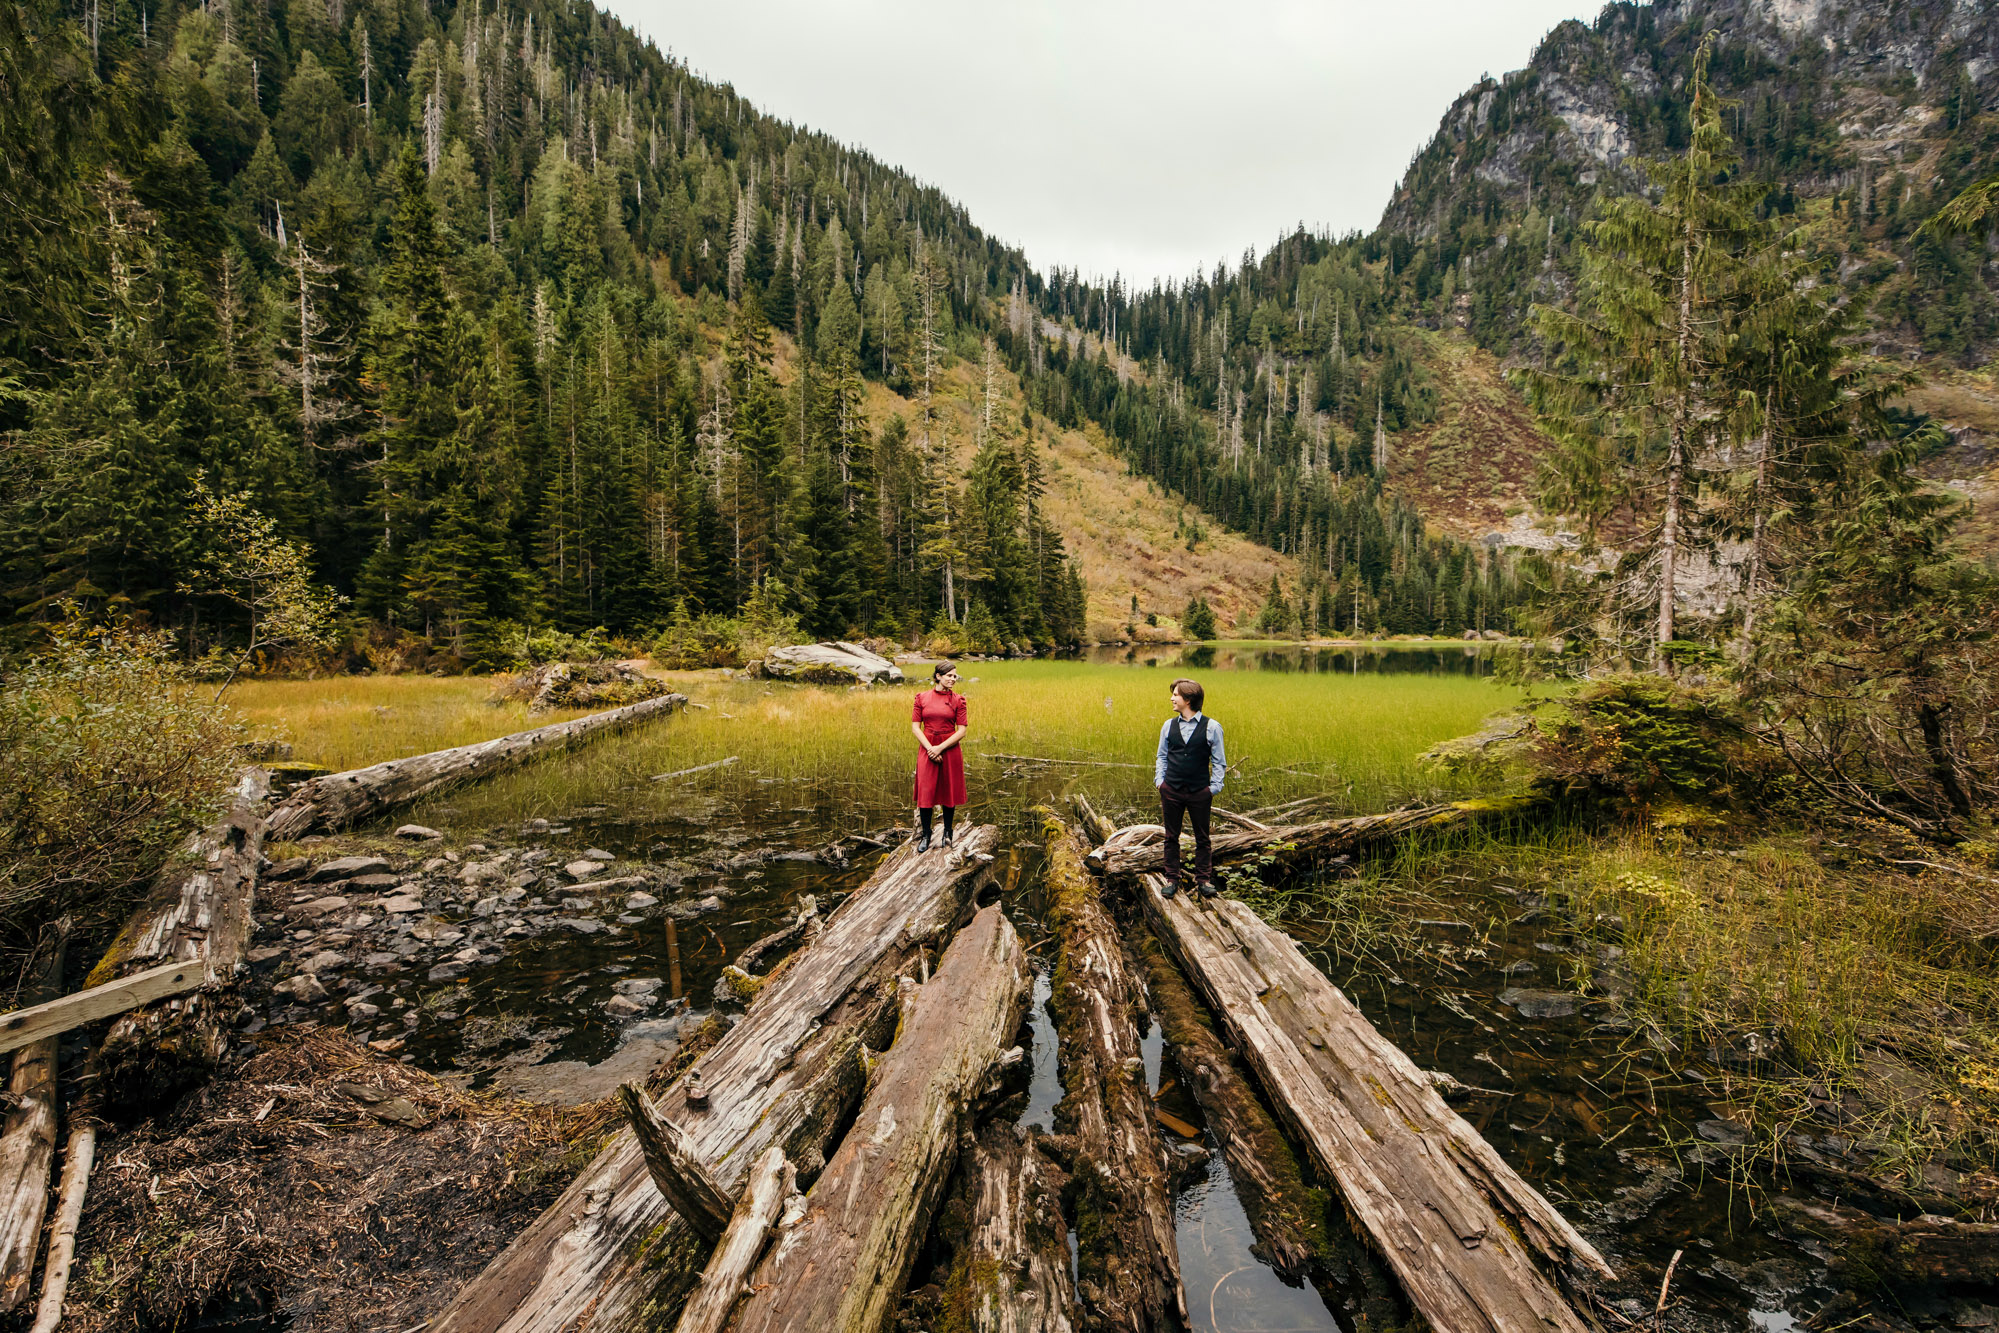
point(1149, 138)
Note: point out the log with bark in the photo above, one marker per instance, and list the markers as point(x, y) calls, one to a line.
point(1129, 1273)
point(1461, 1230)
point(28, 1145)
point(1139, 848)
point(742, 1244)
point(198, 914)
point(842, 1266)
point(1010, 1269)
point(1926, 1249)
point(611, 1250)
point(340, 799)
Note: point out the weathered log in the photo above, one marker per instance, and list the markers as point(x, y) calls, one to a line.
point(198, 914)
point(611, 1248)
point(1443, 1208)
point(675, 1170)
point(1141, 847)
point(28, 1145)
point(742, 1244)
point(841, 1268)
point(1129, 1274)
point(1011, 1272)
point(1925, 1249)
point(52, 1018)
point(80, 1156)
point(340, 799)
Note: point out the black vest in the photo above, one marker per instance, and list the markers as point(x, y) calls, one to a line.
point(1187, 761)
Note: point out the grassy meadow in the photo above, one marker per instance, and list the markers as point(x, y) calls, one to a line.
point(1289, 735)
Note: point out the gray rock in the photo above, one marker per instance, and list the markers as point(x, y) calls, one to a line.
point(304, 987)
point(579, 904)
point(709, 904)
point(372, 883)
point(537, 826)
point(446, 972)
point(827, 663)
point(322, 906)
point(418, 833)
point(582, 925)
point(323, 961)
point(485, 907)
point(361, 1009)
point(637, 985)
point(435, 864)
point(1722, 1131)
point(630, 919)
point(383, 961)
point(265, 955)
point(597, 854)
point(346, 867)
point(398, 906)
point(624, 1006)
point(640, 901)
point(1541, 1003)
point(513, 895)
point(582, 869)
point(283, 870)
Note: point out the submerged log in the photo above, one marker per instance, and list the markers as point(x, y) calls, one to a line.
point(841, 1268)
point(340, 799)
point(1443, 1208)
point(28, 1146)
point(1011, 1272)
point(611, 1250)
point(1129, 1274)
point(1139, 848)
point(1926, 1249)
point(742, 1244)
point(198, 914)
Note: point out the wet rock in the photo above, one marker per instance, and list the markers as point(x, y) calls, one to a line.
point(435, 864)
point(358, 1010)
point(579, 904)
point(640, 901)
point(637, 985)
point(446, 972)
point(625, 1006)
point(582, 925)
point(266, 954)
point(486, 907)
point(536, 826)
point(622, 884)
point(418, 833)
point(709, 904)
point(1519, 967)
point(1725, 1132)
point(582, 869)
point(1541, 1003)
point(630, 919)
point(322, 906)
point(347, 867)
point(324, 961)
point(383, 962)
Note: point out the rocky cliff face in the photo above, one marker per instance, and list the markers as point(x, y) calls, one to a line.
point(1869, 112)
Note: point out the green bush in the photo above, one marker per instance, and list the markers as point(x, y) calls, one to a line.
point(689, 643)
point(1639, 738)
point(113, 755)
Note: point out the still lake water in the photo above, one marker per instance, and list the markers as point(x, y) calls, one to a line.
point(1606, 1126)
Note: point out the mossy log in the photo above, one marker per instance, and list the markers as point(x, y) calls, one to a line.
point(342, 799)
point(1139, 848)
point(1924, 1250)
point(842, 1266)
point(28, 1146)
point(1128, 1274)
point(742, 1244)
point(198, 913)
point(1010, 1270)
point(611, 1251)
point(1458, 1226)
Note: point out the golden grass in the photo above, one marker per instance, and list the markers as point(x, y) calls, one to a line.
point(352, 721)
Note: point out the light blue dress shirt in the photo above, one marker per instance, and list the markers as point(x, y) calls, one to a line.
point(1218, 764)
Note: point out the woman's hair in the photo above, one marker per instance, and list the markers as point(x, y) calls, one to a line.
point(944, 668)
point(1191, 691)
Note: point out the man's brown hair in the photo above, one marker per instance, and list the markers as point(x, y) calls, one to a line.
point(1191, 691)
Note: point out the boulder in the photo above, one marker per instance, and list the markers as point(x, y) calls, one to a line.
point(582, 685)
point(347, 867)
point(838, 663)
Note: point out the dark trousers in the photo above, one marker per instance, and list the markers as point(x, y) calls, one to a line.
point(1196, 809)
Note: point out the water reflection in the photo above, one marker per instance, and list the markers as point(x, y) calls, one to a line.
point(1469, 659)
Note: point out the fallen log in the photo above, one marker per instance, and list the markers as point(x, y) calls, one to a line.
point(198, 914)
point(37, 1022)
point(841, 1268)
point(1442, 1207)
point(1129, 1277)
point(28, 1145)
point(1010, 1274)
point(677, 1173)
point(611, 1250)
point(340, 799)
point(742, 1244)
point(1926, 1249)
point(80, 1156)
point(1139, 848)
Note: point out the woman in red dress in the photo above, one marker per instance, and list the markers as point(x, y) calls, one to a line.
point(938, 720)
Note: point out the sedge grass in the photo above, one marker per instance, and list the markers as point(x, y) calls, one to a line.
point(352, 721)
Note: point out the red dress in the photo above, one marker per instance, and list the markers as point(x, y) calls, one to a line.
point(939, 781)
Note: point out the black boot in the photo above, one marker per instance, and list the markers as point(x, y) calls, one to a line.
point(950, 817)
point(923, 838)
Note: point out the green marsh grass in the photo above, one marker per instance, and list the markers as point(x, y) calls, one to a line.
point(1289, 735)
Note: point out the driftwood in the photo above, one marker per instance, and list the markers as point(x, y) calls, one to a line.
point(77, 1161)
point(38, 1022)
point(1925, 1249)
point(1011, 1272)
point(1443, 1208)
point(742, 1244)
point(677, 1173)
point(841, 1268)
point(28, 1146)
point(340, 799)
point(611, 1252)
point(1139, 848)
point(199, 914)
point(1129, 1278)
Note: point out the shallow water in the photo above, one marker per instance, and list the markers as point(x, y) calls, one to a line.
point(1604, 1126)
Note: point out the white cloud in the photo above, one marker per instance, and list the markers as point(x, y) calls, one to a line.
point(1112, 136)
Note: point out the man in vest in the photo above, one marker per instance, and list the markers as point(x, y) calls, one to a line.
point(1188, 771)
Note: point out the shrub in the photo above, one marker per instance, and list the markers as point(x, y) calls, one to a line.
point(1639, 738)
point(689, 643)
point(112, 757)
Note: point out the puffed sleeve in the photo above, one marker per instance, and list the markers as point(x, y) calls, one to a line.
point(961, 711)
